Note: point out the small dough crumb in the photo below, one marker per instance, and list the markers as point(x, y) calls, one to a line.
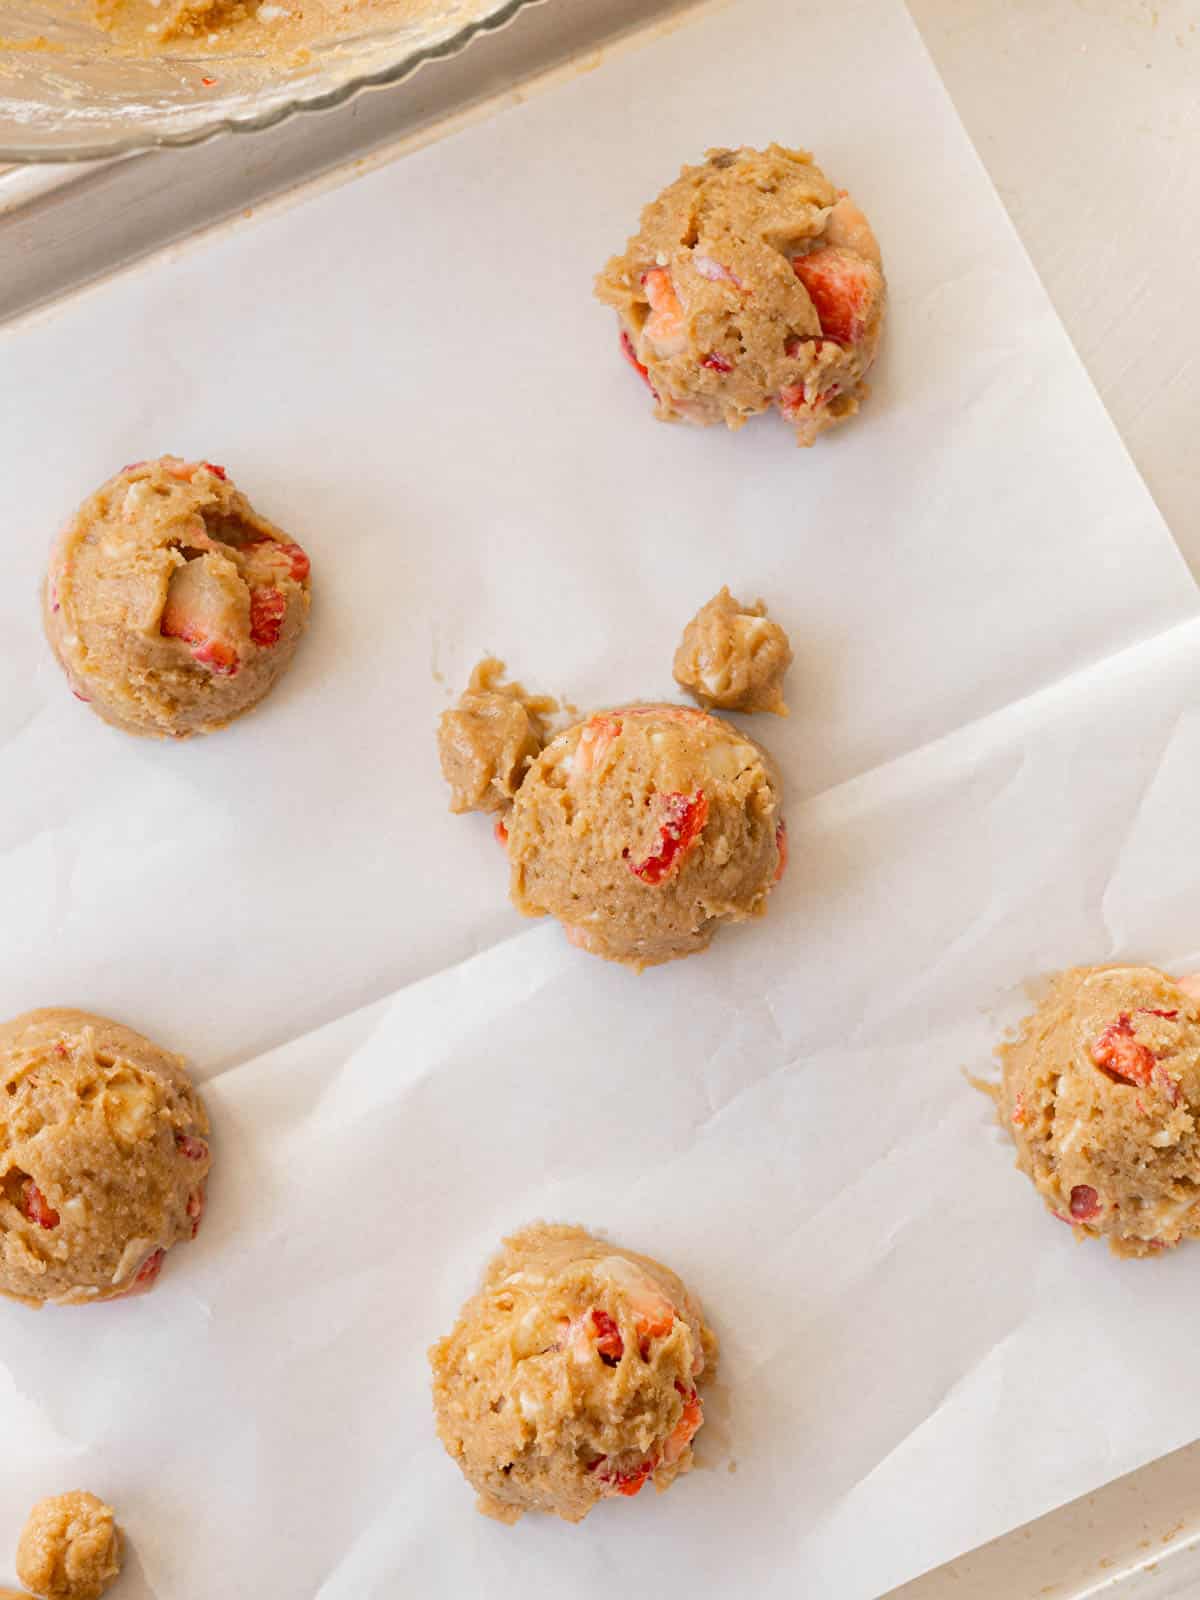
point(490, 739)
point(733, 657)
point(572, 1376)
point(1100, 1092)
point(70, 1548)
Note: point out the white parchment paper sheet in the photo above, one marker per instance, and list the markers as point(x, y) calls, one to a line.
point(409, 375)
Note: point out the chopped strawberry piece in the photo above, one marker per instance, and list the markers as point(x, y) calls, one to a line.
point(86, 698)
point(194, 1149)
point(717, 362)
point(197, 612)
point(630, 355)
point(609, 1342)
point(132, 466)
point(781, 845)
point(268, 608)
point(182, 470)
point(501, 832)
point(217, 472)
point(1085, 1203)
point(683, 822)
point(1119, 1055)
point(595, 737)
point(627, 1483)
point(686, 1428)
point(654, 1325)
point(794, 346)
point(1020, 1114)
point(714, 271)
point(664, 327)
point(840, 286)
point(792, 397)
point(195, 1208)
point(147, 1274)
point(266, 559)
point(36, 1207)
point(1149, 1011)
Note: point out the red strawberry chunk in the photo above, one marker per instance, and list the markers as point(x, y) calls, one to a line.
point(36, 1207)
point(687, 1427)
point(627, 1483)
point(840, 287)
point(194, 1149)
point(1120, 1056)
point(195, 1208)
point(630, 355)
point(1020, 1114)
point(781, 845)
point(197, 611)
point(1149, 1011)
point(609, 1342)
point(683, 822)
point(217, 472)
point(147, 1275)
point(717, 362)
point(1085, 1203)
point(268, 608)
point(501, 833)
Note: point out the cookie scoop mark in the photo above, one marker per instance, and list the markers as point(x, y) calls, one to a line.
point(36, 1208)
point(684, 817)
point(1085, 1203)
point(839, 287)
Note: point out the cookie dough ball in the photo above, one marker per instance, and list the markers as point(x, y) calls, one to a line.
point(645, 828)
point(571, 1376)
point(172, 606)
point(751, 283)
point(491, 738)
point(103, 1158)
point(733, 657)
point(70, 1549)
point(1100, 1090)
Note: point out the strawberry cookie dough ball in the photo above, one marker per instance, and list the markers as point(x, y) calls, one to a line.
point(645, 828)
point(733, 657)
point(751, 283)
point(490, 739)
point(103, 1158)
point(172, 606)
point(1100, 1090)
point(571, 1376)
point(70, 1548)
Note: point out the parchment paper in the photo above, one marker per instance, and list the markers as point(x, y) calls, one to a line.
point(409, 375)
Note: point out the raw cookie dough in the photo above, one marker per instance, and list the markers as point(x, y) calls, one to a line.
point(1100, 1090)
point(733, 657)
point(70, 1548)
point(643, 829)
point(491, 738)
point(571, 1376)
point(103, 1158)
point(751, 283)
point(172, 606)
